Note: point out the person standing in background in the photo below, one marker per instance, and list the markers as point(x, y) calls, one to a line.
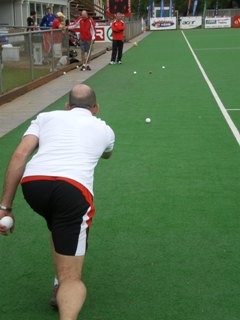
point(47, 20)
point(31, 21)
point(86, 26)
point(118, 27)
point(58, 22)
point(58, 37)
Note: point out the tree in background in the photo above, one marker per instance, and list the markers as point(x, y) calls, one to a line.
point(139, 7)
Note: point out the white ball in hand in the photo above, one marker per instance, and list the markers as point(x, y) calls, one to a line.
point(7, 222)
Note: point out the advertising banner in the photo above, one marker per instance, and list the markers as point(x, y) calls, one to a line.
point(167, 23)
point(190, 22)
point(236, 22)
point(103, 34)
point(217, 22)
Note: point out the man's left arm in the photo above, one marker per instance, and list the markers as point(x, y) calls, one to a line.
point(111, 140)
point(93, 29)
point(123, 26)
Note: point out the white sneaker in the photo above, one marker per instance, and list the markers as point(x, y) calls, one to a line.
point(119, 62)
point(112, 62)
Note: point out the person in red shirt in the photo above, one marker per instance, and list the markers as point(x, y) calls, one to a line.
point(58, 22)
point(86, 26)
point(118, 27)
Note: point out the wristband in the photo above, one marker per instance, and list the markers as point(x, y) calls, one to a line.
point(5, 208)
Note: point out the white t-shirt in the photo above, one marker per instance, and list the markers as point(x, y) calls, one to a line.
point(70, 145)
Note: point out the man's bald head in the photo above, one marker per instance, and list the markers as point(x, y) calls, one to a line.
point(82, 96)
point(84, 14)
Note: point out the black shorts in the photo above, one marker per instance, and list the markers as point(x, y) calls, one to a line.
point(67, 207)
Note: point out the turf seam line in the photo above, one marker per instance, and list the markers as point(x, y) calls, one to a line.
point(215, 95)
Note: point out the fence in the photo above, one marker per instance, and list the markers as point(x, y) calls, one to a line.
point(133, 28)
point(28, 56)
point(223, 12)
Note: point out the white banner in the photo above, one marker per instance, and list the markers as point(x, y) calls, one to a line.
point(103, 34)
point(217, 22)
point(190, 22)
point(166, 23)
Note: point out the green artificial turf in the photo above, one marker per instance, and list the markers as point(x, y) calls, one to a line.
point(14, 77)
point(164, 244)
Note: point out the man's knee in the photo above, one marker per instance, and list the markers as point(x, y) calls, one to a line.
point(69, 268)
point(68, 275)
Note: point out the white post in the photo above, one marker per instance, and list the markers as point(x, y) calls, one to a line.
point(18, 12)
point(25, 11)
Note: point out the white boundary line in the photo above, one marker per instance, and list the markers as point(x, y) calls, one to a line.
point(215, 95)
point(210, 49)
point(233, 109)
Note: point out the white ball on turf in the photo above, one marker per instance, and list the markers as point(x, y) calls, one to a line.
point(163, 67)
point(7, 222)
point(134, 72)
point(147, 120)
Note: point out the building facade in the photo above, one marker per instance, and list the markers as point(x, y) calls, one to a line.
point(15, 12)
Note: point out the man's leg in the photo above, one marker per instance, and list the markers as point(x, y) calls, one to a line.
point(114, 50)
point(83, 56)
point(83, 59)
point(72, 291)
point(90, 53)
point(53, 300)
point(120, 50)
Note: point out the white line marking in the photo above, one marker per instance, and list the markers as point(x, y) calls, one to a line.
point(215, 95)
point(233, 109)
point(209, 49)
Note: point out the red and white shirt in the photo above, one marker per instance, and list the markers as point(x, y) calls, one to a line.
point(85, 26)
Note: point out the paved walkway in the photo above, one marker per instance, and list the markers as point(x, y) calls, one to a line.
point(14, 113)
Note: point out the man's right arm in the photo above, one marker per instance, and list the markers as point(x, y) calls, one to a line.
point(16, 168)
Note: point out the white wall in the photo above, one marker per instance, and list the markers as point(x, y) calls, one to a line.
point(15, 12)
point(6, 12)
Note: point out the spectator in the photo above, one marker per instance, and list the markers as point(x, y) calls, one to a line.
point(31, 21)
point(58, 22)
point(47, 20)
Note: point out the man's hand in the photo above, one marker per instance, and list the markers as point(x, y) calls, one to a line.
point(3, 229)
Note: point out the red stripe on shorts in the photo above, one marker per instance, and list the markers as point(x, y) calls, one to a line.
point(86, 193)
